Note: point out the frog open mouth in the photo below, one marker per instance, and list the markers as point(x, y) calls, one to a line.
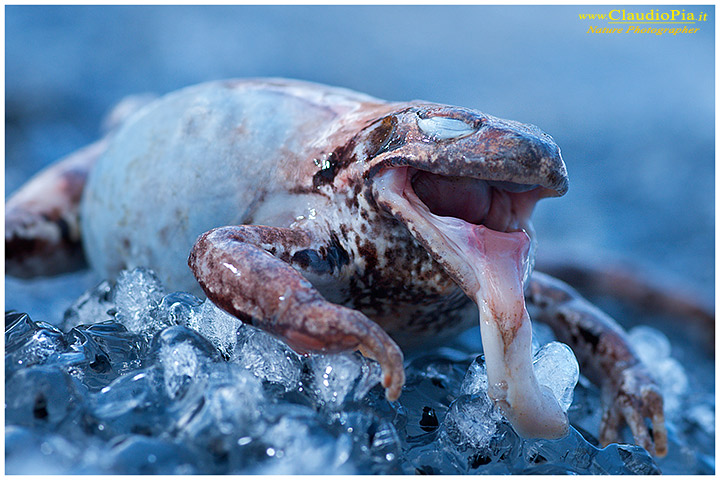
point(480, 232)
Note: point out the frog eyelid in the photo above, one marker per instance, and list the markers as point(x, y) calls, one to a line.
point(445, 128)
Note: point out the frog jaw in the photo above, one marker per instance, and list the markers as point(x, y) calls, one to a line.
point(488, 252)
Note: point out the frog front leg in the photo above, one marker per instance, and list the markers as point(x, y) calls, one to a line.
point(246, 270)
point(607, 359)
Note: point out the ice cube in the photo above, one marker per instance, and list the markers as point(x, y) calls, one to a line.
point(133, 403)
point(42, 397)
point(29, 343)
point(475, 381)
point(135, 294)
point(232, 407)
point(180, 364)
point(376, 441)
point(28, 452)
point(471, 421)
point(653, 348)
point(124, 349)
point(296, 442)
point(177, 308)
point(649, 343)
point(140, 455)
point(91, 307)
point(338, 378)
point(217, 326)
point(268, 358)
point(556, 367)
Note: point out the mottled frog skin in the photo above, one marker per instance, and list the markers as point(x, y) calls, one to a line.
point(336, 221)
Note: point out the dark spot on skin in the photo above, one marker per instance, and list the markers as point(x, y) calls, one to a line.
point(590, 337)
point(344, 230)
point(337, 256)
point(380, 137)
point(324, 261)
point(326, 175)
point(369, 253)
point(64, 227)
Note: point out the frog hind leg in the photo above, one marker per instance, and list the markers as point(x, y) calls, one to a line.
point(246, 271)
point(635, 285)
point(42, 223)
point(42, 218)
point(629, 393)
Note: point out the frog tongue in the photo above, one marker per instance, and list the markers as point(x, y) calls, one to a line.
point(499, 260)
point(490, 267)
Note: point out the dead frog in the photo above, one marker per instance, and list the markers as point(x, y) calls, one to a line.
point(354, 223)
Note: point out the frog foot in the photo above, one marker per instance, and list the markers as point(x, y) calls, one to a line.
point(240, 276)
point(634, 396)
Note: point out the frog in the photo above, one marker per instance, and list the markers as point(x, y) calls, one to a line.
point(337, 222)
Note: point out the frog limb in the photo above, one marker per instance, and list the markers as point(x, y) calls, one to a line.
point(42, 224)
point(633, 284)
point(628, 391)
point(42, 219)
point(238, 272)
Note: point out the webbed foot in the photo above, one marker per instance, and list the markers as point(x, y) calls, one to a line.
point(634, 396)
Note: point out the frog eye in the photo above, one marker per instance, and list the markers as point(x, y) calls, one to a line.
point(444, 128)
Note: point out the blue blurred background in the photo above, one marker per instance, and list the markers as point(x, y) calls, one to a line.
point(633, 113)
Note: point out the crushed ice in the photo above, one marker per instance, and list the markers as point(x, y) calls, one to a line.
point(141, 381)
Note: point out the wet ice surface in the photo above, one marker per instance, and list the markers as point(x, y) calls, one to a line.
point(138, 380)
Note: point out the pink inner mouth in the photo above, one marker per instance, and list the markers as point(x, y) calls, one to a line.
point(500, 206)
point(480, 232)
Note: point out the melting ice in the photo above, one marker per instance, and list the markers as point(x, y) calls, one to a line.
point(140, 381)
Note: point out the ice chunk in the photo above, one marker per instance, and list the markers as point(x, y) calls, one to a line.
point(557, 368)
point(28, 452)
point(91, 307)
point(124, 349)
point(217, 326)
point(296, 442)
point(475, 381)
point(41, 396)
point(232, 407)
point(650, 344)
point(29, 343)
point(133, 403)
point(471, 421)
point(135, 294)
point(268, 358)
point(140, 455)
point(333, 377)
point(180, 363)
point(177, 308)
point(376, 441)
point(653, 348)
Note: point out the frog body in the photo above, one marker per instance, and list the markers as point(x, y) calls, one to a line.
point(331, 219)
